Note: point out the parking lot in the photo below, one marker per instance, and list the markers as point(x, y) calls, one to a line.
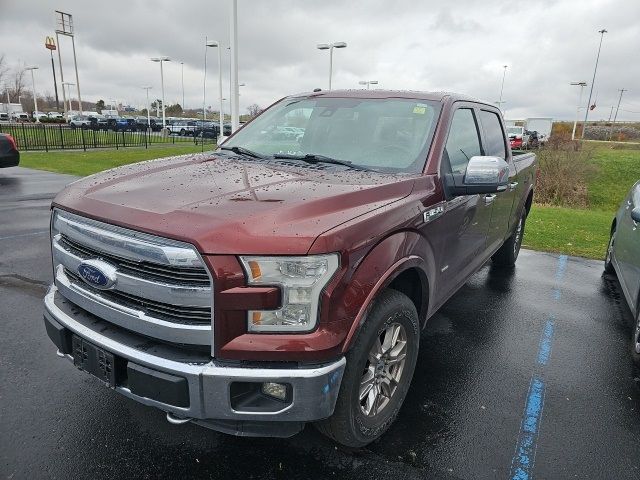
point(522, 374)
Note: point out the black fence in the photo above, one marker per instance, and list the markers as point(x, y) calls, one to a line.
point(47, 137)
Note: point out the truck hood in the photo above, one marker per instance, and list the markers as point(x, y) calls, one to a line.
point(226, 204)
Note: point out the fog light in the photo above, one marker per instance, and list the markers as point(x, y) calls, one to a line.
point(275, 390)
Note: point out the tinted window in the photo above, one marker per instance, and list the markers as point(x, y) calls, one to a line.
point(494, 138)
point(463, 142)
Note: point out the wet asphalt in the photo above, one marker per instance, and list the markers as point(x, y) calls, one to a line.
point(525, 372)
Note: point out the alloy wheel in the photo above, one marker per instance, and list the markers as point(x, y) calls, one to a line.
point(383, 370)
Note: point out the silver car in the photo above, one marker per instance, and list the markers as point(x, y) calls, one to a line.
point(623, 258)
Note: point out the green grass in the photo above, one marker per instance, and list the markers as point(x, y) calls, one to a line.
point(582, 233)
point(92, 161)
point(618, 170)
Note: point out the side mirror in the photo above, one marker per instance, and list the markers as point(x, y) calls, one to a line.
point(483, 175)
point(635, 214)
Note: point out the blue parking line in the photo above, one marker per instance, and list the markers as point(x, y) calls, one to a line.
point(522, 463)
point(525, 452)
point(544, 350)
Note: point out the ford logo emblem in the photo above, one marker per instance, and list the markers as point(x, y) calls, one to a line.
point(98, 274)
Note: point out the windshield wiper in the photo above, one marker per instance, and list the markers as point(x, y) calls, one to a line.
point(243, 151)
point(314, 159)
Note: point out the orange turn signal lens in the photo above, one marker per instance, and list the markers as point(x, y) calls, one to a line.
point(255, 270)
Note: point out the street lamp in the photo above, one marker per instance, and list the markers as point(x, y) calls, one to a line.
point(214, 44)
point(35, 100)
point(595, 69)
point(160, 60)
point(368, 83)
point(182, 68)
point(575, 122)
point(147, 88)
point(330, 47)
point(504, 74)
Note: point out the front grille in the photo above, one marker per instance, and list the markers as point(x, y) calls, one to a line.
point(165, 311)
point(163, 273)
point(159, 287)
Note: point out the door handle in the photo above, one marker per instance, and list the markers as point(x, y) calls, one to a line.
point(512, 186)
point(488, 199)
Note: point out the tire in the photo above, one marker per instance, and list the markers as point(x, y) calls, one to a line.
point(635, 340)
point(183, 132)
point(507, 255)
point(350, 424)
point(608, 263)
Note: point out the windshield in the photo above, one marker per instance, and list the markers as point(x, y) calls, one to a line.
point(514, 130)
point(379, 134)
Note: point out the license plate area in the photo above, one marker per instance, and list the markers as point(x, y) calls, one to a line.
point(94, 360)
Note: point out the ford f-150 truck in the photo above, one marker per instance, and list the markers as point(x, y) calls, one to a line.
point(285, 279)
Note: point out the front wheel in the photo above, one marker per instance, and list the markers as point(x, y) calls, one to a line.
point(507, 255)
point(379, 369)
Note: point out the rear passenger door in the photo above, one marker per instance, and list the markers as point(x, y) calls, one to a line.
point(495, 145)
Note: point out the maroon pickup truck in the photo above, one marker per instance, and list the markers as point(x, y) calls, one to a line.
point(285, 278)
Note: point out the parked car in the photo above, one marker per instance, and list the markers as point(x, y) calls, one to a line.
point(126, 124)
point(142, 123)
point(206, 129)
point(623, 259)
point(182, 127)
point(9, 154)
point(542, 126)
point(19, 117)
point(107, 123)
point(290, 283)
point(518, 137)
point(4, 117)
point(39, 115)
point(56, 115)
point(80, 121)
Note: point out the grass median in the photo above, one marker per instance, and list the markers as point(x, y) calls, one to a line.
point(585, 232)
point(92, 161)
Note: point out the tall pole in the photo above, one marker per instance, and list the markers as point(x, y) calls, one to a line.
point(593, 81)
point(235, 119)
point(164, 121)
point(75, 62)
point(182, 66)
point(35, 99)
point(615, 117)
point(330, 65)
point(611, 112)
point(575, 122)
point(64, 95)
point(204, 83)
point(148, 108)
point(55, 83)
point(220, 115)
point(504, 74)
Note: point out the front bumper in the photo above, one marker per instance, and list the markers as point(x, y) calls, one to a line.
point(313, 388)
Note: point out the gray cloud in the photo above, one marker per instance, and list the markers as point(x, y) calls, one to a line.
point(449, 45)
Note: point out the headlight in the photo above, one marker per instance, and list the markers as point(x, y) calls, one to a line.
point(301, 280)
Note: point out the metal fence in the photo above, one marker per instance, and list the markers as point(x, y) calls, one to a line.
point(63, 137)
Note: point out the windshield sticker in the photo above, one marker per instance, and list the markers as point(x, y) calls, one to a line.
point(420, 109)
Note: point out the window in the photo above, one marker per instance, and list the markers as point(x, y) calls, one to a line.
point(388, 135)
point(463, 142)
point(494, 138)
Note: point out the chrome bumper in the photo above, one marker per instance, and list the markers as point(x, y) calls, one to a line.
point(314, 389)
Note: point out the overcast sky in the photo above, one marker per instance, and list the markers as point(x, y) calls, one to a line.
point(455, 45)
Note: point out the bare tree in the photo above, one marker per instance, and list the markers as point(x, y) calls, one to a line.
point(254, 110)
point(17, 86)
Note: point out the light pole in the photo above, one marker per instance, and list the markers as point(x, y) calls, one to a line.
point(160, 60)
point(65, 27)
point(215, 44)
point(182, 74)
point(595, 69)
point(330, 47)
point(51, 46)
point(615, 117)
point(233, 44)
point(368, 83)
point(504, 74)
point(575, 122)
point(35, 100)
point(147, 88)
